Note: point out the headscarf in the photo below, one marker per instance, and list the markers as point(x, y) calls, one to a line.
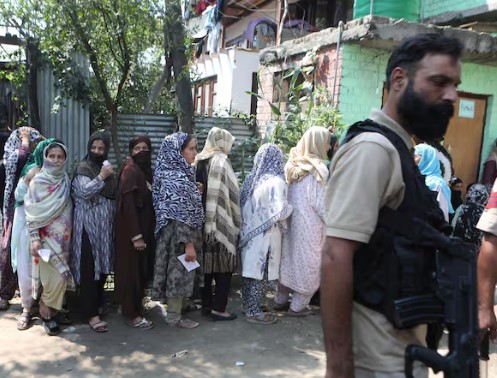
point(174, 191)
point(469, 213)
point(144, 158)
point(218, 141)
point(268, 161)
point(92, 163)
point(35, 160)
point(261, 209)
point(10, 158)
point(308, 156)
point(429, 166)
point(48, 192)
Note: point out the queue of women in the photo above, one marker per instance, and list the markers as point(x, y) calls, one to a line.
point(147, 226)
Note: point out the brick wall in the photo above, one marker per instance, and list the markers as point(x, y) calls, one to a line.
point(324, 75)
point(433, 8)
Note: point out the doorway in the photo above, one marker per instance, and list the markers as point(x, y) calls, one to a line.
point(464, 136)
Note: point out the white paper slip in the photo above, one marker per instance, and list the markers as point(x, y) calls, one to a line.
point(189, 265)
point(45, 254)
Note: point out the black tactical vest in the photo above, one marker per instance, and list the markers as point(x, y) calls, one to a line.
point(395, 264)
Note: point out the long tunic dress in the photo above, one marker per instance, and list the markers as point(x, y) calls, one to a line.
point(95, 214)
point(134, 216)
point(301, 256)
point(8, 279)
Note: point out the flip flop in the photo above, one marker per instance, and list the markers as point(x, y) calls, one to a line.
point(23, 321)
point(143, 324)
point(281, 307)
point(99, 327)
point(186, 324)
point(261, 319)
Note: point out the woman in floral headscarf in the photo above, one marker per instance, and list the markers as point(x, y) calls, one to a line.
point(179, 219)
point(264, 211)
point(307, 175)
point(48, 209)
point(17, 150)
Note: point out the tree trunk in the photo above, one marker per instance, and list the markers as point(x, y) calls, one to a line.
point(174, 35)
point(156, 89)
point(32, 61)
point(113, 133)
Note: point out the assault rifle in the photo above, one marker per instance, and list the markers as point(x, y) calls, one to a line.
point(452, 304)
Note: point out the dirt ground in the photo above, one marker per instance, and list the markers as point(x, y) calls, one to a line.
point(290, 348)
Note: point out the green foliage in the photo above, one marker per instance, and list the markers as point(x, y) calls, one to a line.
point(304, 106)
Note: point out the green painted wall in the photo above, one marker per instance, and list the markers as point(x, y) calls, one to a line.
point(363, 76)
point(361, 82)
point(437, 7)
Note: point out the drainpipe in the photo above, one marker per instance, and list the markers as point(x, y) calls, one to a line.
point(339, 42)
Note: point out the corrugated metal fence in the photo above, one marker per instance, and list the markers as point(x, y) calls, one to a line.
point(157, 126)
point(71, 123)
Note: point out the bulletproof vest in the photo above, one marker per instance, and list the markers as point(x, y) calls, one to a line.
point(395, 264)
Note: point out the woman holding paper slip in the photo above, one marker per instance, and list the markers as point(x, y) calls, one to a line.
point(135, 222)
point(179, 219)
point(48, 208)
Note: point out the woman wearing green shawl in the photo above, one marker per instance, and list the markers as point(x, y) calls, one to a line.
point(20, 256)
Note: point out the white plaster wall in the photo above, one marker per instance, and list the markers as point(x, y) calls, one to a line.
point(268, 11)
point(245, 63)
point(233, 69)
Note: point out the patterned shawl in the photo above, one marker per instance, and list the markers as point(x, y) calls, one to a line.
point(268, 162)
point(264, 193)
point(222, 211)
point(174, 191)
point(429, 166)
point(90, 168)
point(218, 141)
point(48, 198)
point(10, 157)
point(48, 194)
point(308, 156)
point(469, 213)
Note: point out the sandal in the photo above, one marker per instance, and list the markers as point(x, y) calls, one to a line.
point(261, 319)
point(4, 304)
point(143, 324)
point(99, 327)
point(186, 324)
point(281, 307)
point(23, 321)
point(51, 327)
point(300, 314)
point(217, 318)
point(63, 318)
point(191, 307)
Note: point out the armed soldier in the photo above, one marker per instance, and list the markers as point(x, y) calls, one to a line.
point(375, 187)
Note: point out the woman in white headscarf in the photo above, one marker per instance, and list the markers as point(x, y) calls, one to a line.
point(222, 221)
point(307, 175)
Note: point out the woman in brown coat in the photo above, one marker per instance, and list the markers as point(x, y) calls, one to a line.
point(135, 223)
